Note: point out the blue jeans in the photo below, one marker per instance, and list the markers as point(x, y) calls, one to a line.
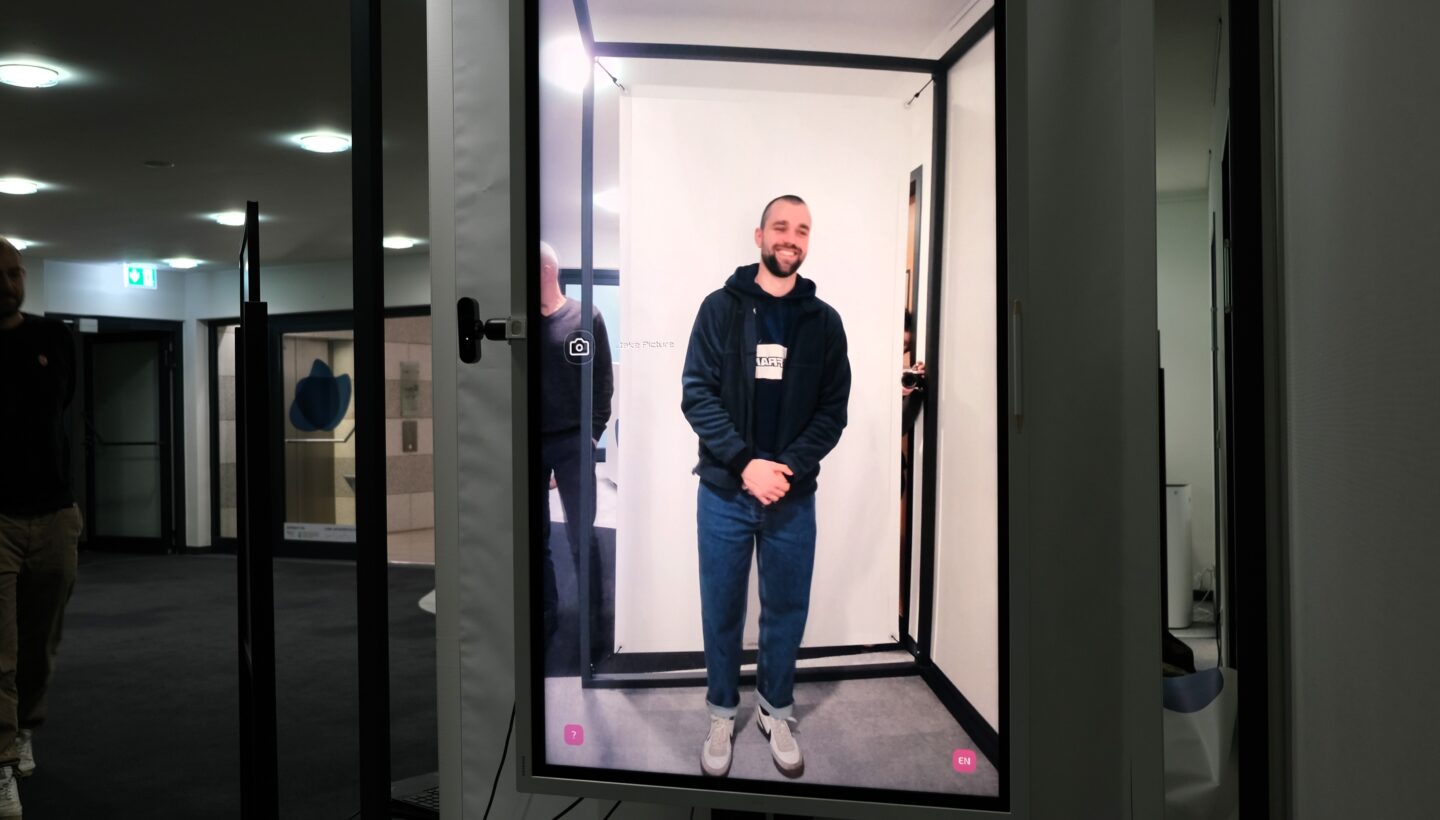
point(782, 538)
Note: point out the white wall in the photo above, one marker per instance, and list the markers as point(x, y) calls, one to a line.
point(1183, 296)
point(192, 297)
point(967, 602)
point(1359, 106)
point(309, 287)
point(697, 167)
point(90, 289)
point(34, 285)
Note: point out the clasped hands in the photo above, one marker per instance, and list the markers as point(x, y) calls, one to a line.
point(766, 480)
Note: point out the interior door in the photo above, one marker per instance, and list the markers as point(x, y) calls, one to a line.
point(128, 441)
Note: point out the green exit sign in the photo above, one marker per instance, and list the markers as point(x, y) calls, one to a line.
point(140, 276)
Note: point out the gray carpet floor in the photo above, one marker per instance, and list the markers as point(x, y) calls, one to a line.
point(890, 733)
point(144, 717)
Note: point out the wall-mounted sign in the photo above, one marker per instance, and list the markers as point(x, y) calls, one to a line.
point(140, 276)
point(409, 388)
point(341, 533)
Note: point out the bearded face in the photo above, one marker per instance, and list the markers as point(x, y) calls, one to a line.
point(784, 239)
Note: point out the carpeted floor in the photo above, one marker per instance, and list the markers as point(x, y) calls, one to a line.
point(890, 733)
point(143, 713)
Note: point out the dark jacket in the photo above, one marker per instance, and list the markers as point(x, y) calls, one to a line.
point(719, 382)
point(37, 383)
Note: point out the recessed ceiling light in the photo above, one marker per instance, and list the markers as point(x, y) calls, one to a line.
point(183, 263)
point(231, 218)
point(566, 63)
point(18, 244)
point(27, 75)
point(158, 163)
point(324, 143)
point(398, 243)
point(15, 185)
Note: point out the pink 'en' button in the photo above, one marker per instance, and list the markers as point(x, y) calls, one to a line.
point(963, 760)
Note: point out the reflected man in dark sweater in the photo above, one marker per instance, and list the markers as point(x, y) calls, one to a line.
point(564, 351)
point(39, 521)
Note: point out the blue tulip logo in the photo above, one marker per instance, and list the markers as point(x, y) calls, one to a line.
point(321, 399)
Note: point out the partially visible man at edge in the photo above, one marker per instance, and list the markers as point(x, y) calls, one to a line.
point(40, 523)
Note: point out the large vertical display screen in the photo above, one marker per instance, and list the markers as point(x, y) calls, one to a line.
point(766, 424)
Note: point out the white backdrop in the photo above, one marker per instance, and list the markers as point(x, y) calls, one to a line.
point(697, 166)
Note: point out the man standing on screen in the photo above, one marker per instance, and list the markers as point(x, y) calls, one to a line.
point(767, 383)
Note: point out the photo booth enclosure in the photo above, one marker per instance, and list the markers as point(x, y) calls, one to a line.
point(1079, 84)
point(693, 150)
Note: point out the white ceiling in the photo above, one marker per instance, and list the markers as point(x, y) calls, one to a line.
point(217, 88)
point(925, 28)
point(928, 28)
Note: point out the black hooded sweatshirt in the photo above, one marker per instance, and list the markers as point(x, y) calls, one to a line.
point(804, 411)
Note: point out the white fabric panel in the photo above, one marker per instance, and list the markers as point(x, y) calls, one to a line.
point(966, 638)
point(697, 166)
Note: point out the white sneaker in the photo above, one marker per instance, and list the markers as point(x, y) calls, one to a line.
point(26, 750)
point(9, 795)
point(716, 753)
point(782, 744)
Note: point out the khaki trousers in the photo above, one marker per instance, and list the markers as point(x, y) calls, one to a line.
point(37, 573)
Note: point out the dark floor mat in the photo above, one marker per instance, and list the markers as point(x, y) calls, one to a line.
point(143, 710)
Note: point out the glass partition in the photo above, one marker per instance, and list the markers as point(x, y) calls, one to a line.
point(316, 413)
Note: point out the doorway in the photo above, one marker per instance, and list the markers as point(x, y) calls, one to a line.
point(126, 419)
point(312, 377)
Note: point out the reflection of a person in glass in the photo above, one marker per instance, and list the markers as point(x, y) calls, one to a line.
point(766, 383)
point(560, 424)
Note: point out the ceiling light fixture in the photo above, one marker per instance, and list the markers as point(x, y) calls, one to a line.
point(324, 143)
point(17, 244)
point(183, 263)
point(17, 186)
point(232, 219)
point(566, 63)
point(398, 243)
point(27, 75)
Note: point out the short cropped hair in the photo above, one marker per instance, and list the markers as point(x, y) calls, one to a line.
point(790, 198)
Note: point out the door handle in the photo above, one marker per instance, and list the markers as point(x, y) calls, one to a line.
point(473, 330)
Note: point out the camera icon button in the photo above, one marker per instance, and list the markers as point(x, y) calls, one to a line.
point(579, 347)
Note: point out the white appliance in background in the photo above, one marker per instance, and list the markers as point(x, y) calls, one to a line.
point(1178, 569)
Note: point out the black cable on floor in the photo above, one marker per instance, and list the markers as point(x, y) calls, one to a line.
point(504, 750)
point(612, 810)
point(567, 809)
